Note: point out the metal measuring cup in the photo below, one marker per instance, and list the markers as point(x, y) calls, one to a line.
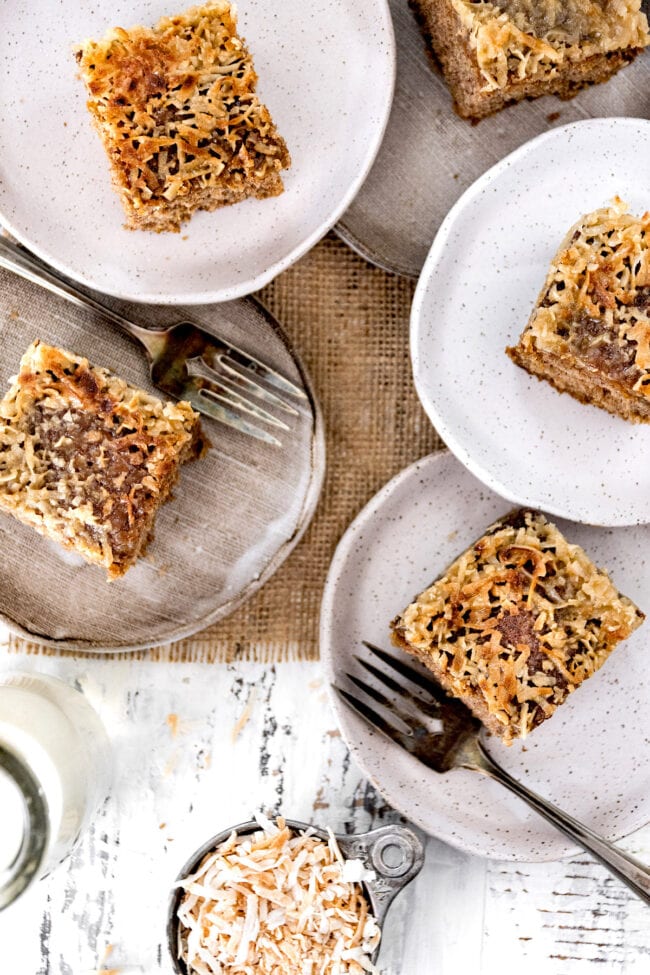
point(394, 852)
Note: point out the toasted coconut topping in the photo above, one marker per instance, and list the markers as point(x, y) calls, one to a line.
point(595, 303)
point(276, 903)
point(517, 622)
point(177, 110)
point(526, 39)
point(86, 459)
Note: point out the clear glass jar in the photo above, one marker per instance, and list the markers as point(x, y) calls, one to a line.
point(55, 769)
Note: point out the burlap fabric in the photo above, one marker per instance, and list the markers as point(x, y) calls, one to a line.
point(349, 323)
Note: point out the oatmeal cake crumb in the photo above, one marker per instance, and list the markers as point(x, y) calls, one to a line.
point(88, 460)
point(176, 108)
point(516, 623)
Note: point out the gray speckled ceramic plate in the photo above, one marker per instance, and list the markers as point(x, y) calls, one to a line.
point(592, 758)
point(326, 71)
point(429, 155)
point(477, 290)
point(235, 516)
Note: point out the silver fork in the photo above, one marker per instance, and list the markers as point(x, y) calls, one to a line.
point(186, 362)
point(443, 734)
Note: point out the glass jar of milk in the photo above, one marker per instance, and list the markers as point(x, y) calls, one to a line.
point(54, 774)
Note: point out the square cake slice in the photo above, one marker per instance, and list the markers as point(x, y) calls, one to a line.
point(516, 623)
point(589, 334)
point(176, 108)
point(496, 53)
point(87, 460)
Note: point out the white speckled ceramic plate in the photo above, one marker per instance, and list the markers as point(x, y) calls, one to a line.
point(235, 516)
point(592, 758)
point(478, 287)
point(326, 72)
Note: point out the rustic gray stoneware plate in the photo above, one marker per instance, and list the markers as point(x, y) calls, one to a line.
point(429, 155)
point(235, 516)
point(592, 757)
point(326, 72)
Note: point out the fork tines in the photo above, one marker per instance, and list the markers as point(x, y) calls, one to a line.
point(423, 681)
point(429, 705)
point(261, 371)
point(230, 397)
point(225, 390)
point(226, 410)
point(235, 388)
point(231, 374)
point(374, 718)
point(425, 700)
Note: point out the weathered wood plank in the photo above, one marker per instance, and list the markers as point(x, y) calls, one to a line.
point(200, 747)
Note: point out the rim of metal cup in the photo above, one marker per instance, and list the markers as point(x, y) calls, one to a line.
point(27, 862)
point(394, 852)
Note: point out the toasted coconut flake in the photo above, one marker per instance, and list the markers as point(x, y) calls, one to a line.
point(595, 303)
point(520, 39)
point(276, 902)
point(516, 623)
point(177, 110)
point(87, 460)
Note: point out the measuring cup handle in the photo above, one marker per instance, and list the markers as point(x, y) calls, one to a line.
point(395, 853)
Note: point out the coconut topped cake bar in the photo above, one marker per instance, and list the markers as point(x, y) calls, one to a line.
point(589, 334)
point(495, 53)
point(177, 110)
point(88, 460)
point(516, 623)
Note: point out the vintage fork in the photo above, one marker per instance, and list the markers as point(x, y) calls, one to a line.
point(186, 362)
point(443, 734)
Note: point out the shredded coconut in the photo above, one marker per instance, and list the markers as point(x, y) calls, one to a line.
point(518, 39)
point(595, 303)
point(177, 110)
point(276, 902)
point(86, 459)
point(516, 623)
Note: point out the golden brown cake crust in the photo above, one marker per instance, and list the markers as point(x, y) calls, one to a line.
point(494, 54)
point(516, 623)
point(176, 108)
point(86, 459)
point(589, 333)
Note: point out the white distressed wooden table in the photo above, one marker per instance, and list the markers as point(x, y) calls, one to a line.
point(200, 747)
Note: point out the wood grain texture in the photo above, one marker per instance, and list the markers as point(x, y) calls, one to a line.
point(199, 747)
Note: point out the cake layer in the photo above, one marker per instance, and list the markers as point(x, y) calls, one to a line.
point(177, 110)
point(589, 333)
point(497, 53)
point(516, 623)
point(88, 460)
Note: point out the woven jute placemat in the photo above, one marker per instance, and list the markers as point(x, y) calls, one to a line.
point(349, 323)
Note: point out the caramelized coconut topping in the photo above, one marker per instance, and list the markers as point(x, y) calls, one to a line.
point(517, 622)
point(526, 39)
point(177, 110)
point(87, 459)
point(595, 304)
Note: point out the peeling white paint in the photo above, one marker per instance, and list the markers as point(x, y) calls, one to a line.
point(180, 781)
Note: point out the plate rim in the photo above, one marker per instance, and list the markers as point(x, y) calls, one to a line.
point(343, 232)
point(415, 325)
point(310, 502)
point(337, 565)
point(264, 277)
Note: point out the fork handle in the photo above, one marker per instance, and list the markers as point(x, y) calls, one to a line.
point(627, 868)
point(21, 262)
